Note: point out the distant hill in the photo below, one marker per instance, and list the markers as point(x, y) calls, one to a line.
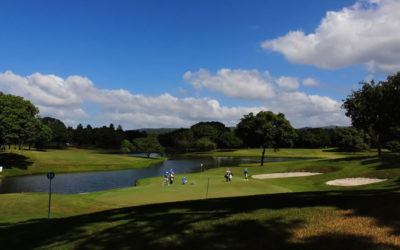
point(325, 127)
point(157, 130)
point(167, 130)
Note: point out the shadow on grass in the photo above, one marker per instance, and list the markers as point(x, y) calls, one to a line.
point(338, 150)
point(227, 223)
point(226, 150)
point(353, 158)
point(386, 161)
point(9, 160)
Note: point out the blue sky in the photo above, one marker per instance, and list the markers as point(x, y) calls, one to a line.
point(174, 63)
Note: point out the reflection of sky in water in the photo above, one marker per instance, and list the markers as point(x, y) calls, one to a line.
point(97, 181)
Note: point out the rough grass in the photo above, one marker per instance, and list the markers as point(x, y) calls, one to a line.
point(287, 213)
point(330, 153)
point(28, 162)
point(309, 220)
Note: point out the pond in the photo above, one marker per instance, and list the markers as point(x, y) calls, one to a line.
point(74, 183)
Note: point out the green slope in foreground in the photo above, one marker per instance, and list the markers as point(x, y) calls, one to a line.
point(287, 213)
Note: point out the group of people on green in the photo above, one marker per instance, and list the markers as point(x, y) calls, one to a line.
point(228, 175)
point(169, 178)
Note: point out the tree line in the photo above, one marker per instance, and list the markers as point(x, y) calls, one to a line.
point(374, 110)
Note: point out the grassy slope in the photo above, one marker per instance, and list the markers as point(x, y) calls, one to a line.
point(283, 152)
point(69, 160)
point(311, 220)
point(357, 217)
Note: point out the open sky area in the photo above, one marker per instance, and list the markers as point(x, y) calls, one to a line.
point(159, 64)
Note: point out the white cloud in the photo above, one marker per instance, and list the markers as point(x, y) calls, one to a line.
point(309, 110)
point(67, 99)
point(310, 82)
point(47, 90)
point(368, 78)
point(243, 84)
point(64, 99)
point(365, 33)
point(288, 83)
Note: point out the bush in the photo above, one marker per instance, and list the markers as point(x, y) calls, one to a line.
point(393, 146)
point(351, 139)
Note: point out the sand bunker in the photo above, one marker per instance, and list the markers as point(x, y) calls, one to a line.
point(283, 175)
point(353, 181)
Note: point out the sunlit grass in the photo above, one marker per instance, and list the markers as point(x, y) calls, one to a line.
point(27, 162)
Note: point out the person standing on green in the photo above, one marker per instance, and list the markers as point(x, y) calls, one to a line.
point(246, 174)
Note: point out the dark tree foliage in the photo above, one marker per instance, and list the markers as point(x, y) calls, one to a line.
point(102, 137)
point(59, 131)
point(88, 135)
point(229, 140)
point(375, 107)
point(393, 139)
point(79, 135)
point(201, 136)
point(148, 145)
point(204, 129)
point(266, 130)
point(314, 138)
point(351, 139)
point(181, 140)
point(130, 135)
point(205, 144)
point(126, 147)
point(38, 134)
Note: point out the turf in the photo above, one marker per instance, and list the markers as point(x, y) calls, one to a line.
point(331, 153)
point(308, 220)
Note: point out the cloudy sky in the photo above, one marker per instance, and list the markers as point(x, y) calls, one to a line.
point(173, 63)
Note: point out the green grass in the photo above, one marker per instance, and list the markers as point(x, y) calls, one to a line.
point(287, 213)
point(330, 153)
point(310, 220)
point(28, 162)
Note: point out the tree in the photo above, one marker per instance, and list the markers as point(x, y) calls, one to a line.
point(133, 134)
point(16, 116)
point(79, 135)
point(59, 130)
point(205, 144)
point(266, 130)
point(148, 145)
point(126, 147)
point(180, 140)
point(314, 137)
point(229, 140)
point(351, 139)
point(375, 107)
point(38, 134)
point(204, 129)
point(393, 139)
point(88, 135)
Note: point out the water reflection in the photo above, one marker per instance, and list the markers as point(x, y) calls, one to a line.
point(97, 181)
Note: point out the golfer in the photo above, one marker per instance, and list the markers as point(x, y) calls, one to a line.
point(246, 174)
